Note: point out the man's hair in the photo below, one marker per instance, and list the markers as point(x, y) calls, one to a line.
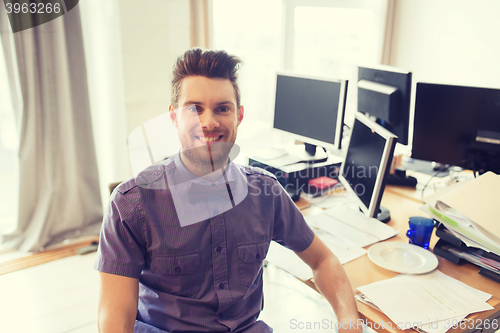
point(207, 63)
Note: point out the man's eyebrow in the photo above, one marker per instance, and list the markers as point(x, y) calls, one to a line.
point(192, 103)
point(201, 103)
point(225, 102)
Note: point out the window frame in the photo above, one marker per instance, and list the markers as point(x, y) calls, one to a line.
point(383, 10)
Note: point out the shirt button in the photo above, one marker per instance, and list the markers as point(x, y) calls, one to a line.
point(257, 256)
point(219, 249)
point(220, 315)
point(178, 269)
point(221, 285)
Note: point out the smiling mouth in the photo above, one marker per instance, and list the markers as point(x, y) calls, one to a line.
point(209, 139)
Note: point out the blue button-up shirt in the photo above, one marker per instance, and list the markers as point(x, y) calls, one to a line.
point(206, 275)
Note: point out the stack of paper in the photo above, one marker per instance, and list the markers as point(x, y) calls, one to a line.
point(471, 211)
point(431, 302)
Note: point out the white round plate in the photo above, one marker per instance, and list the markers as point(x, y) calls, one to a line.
point(402, 257)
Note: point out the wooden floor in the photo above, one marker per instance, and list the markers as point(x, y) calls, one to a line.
point(61, 296)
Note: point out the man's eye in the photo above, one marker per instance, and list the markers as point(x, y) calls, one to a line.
point(193, 108)
point(224, 109)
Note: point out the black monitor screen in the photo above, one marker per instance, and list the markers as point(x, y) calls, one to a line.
point(452, 121)
point(366, 163)
point(311, 108)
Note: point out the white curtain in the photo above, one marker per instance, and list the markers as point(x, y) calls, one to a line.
point(59, 196)
point(201, 13)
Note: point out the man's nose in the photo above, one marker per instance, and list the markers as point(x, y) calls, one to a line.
point(208, 120)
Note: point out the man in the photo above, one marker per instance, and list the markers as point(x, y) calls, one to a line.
point(167, 268)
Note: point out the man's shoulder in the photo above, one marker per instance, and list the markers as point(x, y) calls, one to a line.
point(151, 177)
point(256, 171)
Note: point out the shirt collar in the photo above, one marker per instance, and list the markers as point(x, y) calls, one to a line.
point(184, 175)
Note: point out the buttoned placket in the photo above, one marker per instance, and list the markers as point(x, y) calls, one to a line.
point(219, 257)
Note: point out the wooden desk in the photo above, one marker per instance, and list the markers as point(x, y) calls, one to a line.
point(402, 204)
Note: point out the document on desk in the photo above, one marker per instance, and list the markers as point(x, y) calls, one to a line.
point(440, 326)
point(335, 199)
point(351, 226)
point(471, 235)
point(287, 259)
point(425, 299)
point(342, 250)
point(471, 209)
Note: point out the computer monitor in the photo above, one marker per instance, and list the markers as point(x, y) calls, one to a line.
point(366, 165)
point(312, 109)
point(457, 125)
point(384, 92)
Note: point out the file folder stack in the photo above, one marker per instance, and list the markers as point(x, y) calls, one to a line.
point(469, 216)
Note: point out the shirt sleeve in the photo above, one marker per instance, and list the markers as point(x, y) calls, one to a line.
point(122, 244)
point(290, 228)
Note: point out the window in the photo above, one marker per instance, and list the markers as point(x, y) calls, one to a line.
point(9, 166)
point(327, 38)
point(331, 38)
point(252, 31)
point(342, 40)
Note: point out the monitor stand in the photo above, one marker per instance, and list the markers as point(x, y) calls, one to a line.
point(383, 215)
point(400, 178)
point(428, 168)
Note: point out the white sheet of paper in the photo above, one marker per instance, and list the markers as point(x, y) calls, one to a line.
point(444, 325)
point(287, 259)
point(433, 327)
point(334, 200)
point(343, 251)
point(341, 199)
point(341, 230)
point(361, 222)
point(424, 298)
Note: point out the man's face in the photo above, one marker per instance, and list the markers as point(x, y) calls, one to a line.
point(207, 119)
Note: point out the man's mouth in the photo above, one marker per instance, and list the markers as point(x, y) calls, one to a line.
point(208, 139)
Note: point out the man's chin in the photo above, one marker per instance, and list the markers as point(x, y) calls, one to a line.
point(217, 152)
point(205, 159)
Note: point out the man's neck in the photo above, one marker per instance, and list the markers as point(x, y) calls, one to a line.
point(206, 170)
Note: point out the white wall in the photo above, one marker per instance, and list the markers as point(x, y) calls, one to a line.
point(448, 41)
point(153, 34)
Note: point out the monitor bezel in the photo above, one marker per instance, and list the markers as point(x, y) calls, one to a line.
point(336, 146)
point(394, 77)
point(383, 168)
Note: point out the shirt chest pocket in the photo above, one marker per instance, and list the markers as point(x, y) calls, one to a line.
point(250, 263)
point(178, 274)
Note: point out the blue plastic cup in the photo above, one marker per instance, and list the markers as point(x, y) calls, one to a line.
point(420, 230)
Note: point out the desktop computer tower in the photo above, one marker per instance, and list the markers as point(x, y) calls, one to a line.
point(295, 177)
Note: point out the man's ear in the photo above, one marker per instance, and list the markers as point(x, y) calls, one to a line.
point(241, 113)
point(173, 115)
